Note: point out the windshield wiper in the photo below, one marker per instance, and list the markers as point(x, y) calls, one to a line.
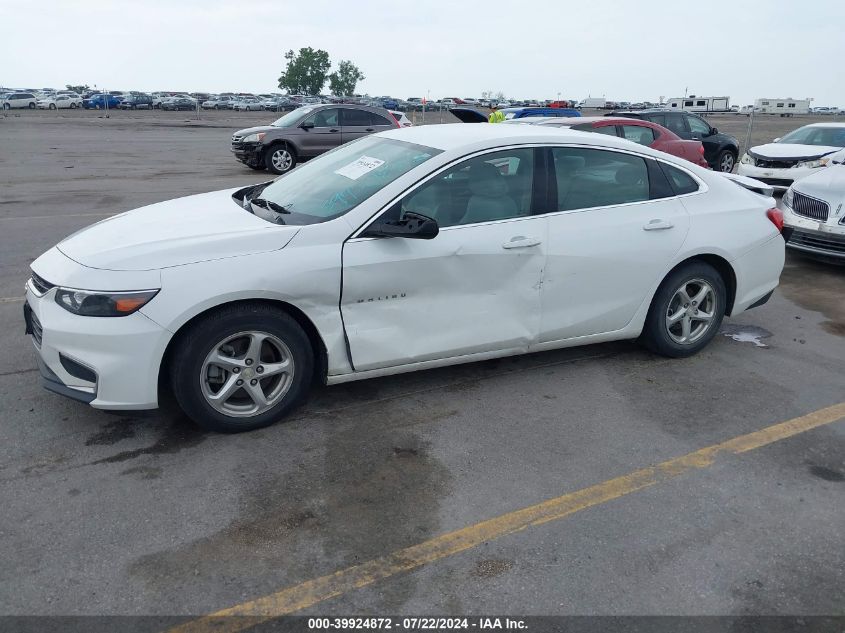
point(269, 204)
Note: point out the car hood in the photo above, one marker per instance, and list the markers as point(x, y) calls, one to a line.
point(469, 115)
point(791, 151)
point(173, 233)
point(254, 130)
point(827, 184)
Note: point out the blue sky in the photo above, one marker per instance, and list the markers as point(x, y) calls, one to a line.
point(622, 50)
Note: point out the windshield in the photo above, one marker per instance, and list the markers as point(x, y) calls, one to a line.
point(830, 136)
point(291, 118)
point(330, 185)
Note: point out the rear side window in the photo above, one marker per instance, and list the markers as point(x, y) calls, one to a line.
point(596, 178)
point(660, 119)
point(676, 124)
point(681, 181)
point(351, 116)
point(639, 134)
point(380, 120)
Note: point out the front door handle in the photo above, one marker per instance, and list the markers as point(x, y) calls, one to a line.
point(334, 130)
point(369, 129)
point(520, 241)
point(657, 225)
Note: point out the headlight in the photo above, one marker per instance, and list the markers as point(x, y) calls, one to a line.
point(787, 197)
point(747, 160)
point(254, 138)
point(820, 162)
point(102, 304)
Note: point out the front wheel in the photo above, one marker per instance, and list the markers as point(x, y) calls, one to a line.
point(279, 159)
point(73, 106)
point(686, 311)
point(241, 368)
point(52, 106)
point(726, 161)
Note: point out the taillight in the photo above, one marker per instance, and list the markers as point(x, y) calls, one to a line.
point(395, 120)
point(776, 216)
point(701, 149)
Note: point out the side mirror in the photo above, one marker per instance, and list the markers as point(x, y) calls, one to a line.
point(713, 131)
point(307, 125)
point(413, 225)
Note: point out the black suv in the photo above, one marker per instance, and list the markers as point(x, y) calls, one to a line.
point(720, 150)
point(135, 101)
point(307, 132)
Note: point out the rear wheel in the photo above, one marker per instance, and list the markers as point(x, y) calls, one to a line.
point(52, 106)
point(32, 105)
point(73, 106)
point(726, 161)
point(241, 368)
point(686, 311)
point(280, 159)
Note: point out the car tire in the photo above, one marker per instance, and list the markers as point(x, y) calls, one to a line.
point(73, 106)
point(7, 106)
point(211, 357)
point(52, 106)
point(726, 161)
point(280, 158)
point(688, 294)
point(32, 105)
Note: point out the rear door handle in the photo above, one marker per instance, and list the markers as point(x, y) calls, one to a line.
point(658, 225)
point(334, 130)
point(520, 241)
point(369, 129)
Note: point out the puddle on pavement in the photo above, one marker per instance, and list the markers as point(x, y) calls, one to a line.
point(746, 334)
point(818, 287)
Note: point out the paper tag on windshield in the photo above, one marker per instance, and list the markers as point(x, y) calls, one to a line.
point(358, 168)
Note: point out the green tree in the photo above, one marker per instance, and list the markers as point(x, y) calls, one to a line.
point(342, 82)
point(78, 89)
point(306, 71)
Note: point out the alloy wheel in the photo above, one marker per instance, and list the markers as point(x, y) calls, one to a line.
point(247, 373)
point(282, 159)
point(691, 311)
point(727, 163)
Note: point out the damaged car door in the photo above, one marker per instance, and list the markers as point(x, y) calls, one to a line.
point(472, 288)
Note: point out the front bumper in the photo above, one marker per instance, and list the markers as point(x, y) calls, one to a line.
point(780, 179)
point(248, 153)
point(110, 362)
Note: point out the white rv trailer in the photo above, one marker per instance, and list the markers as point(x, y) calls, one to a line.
point(700, 104)
point(781, 106)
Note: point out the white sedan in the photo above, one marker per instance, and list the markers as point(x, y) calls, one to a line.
point(795, 156)
point(60, 101)
point(411, 249)
point(814, 222)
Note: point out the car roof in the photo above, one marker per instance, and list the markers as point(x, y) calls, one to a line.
point(825, 124)
point(455, 136)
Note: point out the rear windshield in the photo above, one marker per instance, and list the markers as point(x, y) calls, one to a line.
point(830, 136)
point(330, 185)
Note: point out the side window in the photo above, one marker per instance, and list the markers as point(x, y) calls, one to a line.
point(681, 181)
point(325, 118)
point(610, 130)
point(597, 178)
point(698, 127)
point(660, 119)
point(494, 186)
point(351, 117)
point(677, 125)
point(377, 119)
point(639, 134)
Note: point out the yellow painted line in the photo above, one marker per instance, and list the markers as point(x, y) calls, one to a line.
point(317, 590)
point(11, 299)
